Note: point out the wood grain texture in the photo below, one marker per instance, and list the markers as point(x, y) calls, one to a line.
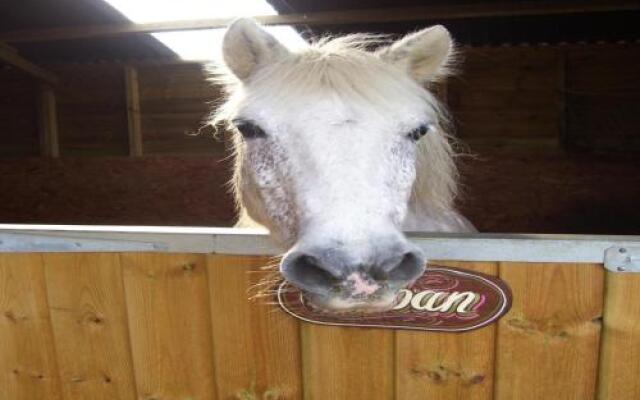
point(347, 363)
point(89, 318)
point(132, 92)
point(257, 345)
point(92, 111)
point(506, 94)
point(48, 122)
point(619, 365)
point(28, 367)
point(176, 100)
point(548, 344)
point(170, 327)
point(436, 365)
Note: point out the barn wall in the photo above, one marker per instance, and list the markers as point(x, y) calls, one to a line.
point(18, 126)
point(174, 101)
point(507, 96)
point(154, 190)
point(539, 121)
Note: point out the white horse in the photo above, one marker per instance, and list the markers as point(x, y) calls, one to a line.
point(338, 150)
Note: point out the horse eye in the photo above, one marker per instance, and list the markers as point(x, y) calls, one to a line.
point(419, 132)
point(249, 130)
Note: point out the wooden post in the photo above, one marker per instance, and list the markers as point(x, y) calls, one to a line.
point(48, 122)
point(561, 83)
point(133, 111)
point(620, 349)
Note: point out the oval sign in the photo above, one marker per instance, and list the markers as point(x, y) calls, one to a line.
point(442, 299)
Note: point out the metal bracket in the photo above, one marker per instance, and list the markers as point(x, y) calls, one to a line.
point(622, 259)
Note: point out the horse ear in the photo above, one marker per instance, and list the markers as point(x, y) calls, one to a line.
point(247, 46)
point(424, 54)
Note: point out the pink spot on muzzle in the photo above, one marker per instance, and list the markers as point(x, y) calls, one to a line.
point(361, 285)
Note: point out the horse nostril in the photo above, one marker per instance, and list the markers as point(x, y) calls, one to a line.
point(405, 269)
point(307, 272)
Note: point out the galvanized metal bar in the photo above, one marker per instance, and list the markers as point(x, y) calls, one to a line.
point(30, 243)
point(436, 246)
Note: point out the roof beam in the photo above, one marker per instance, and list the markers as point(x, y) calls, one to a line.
point(341, 17)
point(10, 56)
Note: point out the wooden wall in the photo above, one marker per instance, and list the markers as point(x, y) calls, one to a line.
point(18, 118)
point(175, 101)
point(586, 95)
point(92, 110)
point(538, 120)
point(580, 97)
point(159, 326)
point(507, 95)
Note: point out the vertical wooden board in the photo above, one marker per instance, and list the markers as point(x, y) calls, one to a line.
point(257, 345)
point(548, 344)
point(28, 367)
point(88, 314)
point(132, 91)
point(347, 363)
point(437, 365)
point(620, 353)
point(170, 327)
point(48, 122)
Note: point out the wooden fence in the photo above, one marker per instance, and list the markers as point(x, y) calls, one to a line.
point(159, 326)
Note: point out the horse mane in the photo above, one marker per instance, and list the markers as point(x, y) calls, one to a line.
point(344, 65)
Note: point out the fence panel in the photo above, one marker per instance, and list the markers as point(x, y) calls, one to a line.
point(438, 365)
point(170, 326)
point(548, 344)
point(620, 356)
point(347, 363)
point(257, 346)
point(28, 368)
point(160, 326)
point(89, 317)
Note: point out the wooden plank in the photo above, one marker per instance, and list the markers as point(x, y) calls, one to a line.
point(619, 366)
point(549, 342)
point(48, 122)
point(88, 313)
point(175, 99)
point(10, 56)
point(436, 365)
point(603, 69)
point(170, 326)
point(338, 17)
point(347, 363)
point(92, 110)
point(561, 93)
point(18, 118)
point(257, 345)
point(28, 367)
point(132, 91)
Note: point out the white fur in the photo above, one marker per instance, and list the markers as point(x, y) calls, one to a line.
point(337, 164)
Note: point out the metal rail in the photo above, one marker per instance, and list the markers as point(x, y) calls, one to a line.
point(437, 246)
